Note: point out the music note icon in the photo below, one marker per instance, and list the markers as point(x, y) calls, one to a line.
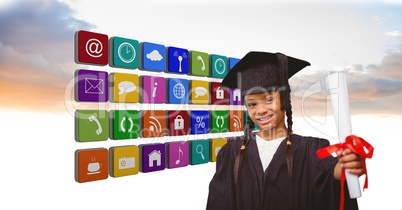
point(178, 160)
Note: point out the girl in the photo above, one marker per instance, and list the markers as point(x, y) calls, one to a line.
point(273, 168)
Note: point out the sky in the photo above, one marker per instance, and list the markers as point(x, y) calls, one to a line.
point(361, 38)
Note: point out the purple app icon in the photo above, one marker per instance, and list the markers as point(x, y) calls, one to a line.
point(92, 86)
point(152, 157)
point(154, 89)
point(178, 155)
point(235, 97)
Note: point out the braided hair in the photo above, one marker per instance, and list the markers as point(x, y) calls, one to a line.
point(246, 139)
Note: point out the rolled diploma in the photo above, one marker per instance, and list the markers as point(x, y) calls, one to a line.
point(339, 97)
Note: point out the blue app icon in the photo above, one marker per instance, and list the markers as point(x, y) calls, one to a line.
point(232, 62)
point(153, 57)
point(178, 60)
point(199, 152)
point(178, 91)
point(199, 122)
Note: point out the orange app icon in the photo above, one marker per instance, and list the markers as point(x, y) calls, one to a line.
point(236, 120)
point(153, 123)
point(91, 164)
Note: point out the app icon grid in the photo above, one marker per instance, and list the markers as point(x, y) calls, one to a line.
point(128, 54)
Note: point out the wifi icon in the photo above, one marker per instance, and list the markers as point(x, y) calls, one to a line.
point(178, 60)
point(236, 118)
point(153, 123)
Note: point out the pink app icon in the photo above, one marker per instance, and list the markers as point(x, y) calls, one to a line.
point(154, 89)
point(178, 154)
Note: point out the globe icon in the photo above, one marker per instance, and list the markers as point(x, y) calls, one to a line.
point(179, 91)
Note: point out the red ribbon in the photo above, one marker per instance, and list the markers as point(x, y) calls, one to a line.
point(358, 146)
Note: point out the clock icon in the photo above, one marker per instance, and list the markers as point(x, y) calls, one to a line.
point(126, 52)
point(220, 66)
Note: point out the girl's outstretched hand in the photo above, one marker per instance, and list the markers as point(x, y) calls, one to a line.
point(350, 161)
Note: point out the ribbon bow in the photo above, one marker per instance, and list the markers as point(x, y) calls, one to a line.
point(357, 145)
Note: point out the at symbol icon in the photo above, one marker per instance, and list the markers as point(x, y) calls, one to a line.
point(94, 48)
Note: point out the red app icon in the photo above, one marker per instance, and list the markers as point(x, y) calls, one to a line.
point(219, 95)
point(91, 48)
point(178, 123)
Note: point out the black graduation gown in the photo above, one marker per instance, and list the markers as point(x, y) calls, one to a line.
point(312, 186)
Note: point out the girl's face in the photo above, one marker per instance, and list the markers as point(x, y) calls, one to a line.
point(264, 109)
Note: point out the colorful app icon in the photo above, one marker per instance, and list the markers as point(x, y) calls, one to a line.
point(126, 124)
point(219, 66)
point(91, 86)
point(199, 152)
point(216, 146)
point(91, 48)
point(178, 122)
point(199, 63)
point(125, 53)
point(219, 121)
point(153, 89)
point(199, 122)
point(125, 88)
point(153, 157)
point(178, 91)
point(124, 161)
point(153, 57)
point(236, 120)
point(177, 154)
point(91, 164)
point(178, 60)
point(199, 92)
point(235, 96)
point(91, 125)
point(219, 95)
point(153, 123)
point(232, 62)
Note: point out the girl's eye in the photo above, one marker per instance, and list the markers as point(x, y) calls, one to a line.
point(268, 100)
point(250, 104)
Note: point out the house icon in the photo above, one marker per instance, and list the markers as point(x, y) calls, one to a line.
point(154, 156)
point(236, 95)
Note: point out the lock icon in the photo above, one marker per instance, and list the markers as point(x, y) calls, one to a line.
point(219, 93)
point(178, 122)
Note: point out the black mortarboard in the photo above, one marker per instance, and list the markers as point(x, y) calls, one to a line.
point(258, 72)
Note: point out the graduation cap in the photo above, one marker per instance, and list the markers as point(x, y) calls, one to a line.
point(259, 72)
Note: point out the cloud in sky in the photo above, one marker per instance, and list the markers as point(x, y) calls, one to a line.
point(394, 33)
point(43, 27)
point(36, 52)
point(375, 88)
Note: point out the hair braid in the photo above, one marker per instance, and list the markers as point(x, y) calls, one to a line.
point(287, 107)
point(289, 155)
point(246, 139)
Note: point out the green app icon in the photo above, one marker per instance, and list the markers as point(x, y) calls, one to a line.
point(199, 152)
point(91, 125)
point(219, 66)
point(126, 124)
point(219, 121)
point(125, 53)
point(199, 63)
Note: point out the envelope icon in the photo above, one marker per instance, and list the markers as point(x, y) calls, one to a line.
point(94, 86)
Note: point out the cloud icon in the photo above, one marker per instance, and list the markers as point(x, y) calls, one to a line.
point(154, 56)
point(126, 87)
